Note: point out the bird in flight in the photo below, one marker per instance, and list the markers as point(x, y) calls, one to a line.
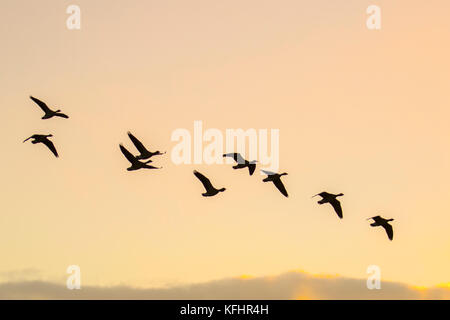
point(331, 199)
point(379, 221)
point(48, 112)
point(210, 190)
point(276, 179)
point(144, 153)
point(242, 163)
point(42, 138)
point(135, 163)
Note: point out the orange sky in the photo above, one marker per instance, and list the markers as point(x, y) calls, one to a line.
point(360, 112)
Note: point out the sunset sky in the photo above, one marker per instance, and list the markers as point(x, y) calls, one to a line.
point(362, 112)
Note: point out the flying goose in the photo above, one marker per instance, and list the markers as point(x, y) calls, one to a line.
point(135, 163)
point(41, 138)
point(331, 199)
point(145, 154)
point(276, 179)
point(379, 221)
point(48, 112)
point(242, 163)
point(210, 190)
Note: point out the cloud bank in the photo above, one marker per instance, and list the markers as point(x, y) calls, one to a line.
point(290, 285)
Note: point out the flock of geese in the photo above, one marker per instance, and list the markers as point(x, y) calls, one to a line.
point(142, 160)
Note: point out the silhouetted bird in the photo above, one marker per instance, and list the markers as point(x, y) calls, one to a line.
point(41, 138)
point(210, 190)
point(242, 163)
point(135, 163)
point(276, 179)
point(331, 199)
point(379, 221)
point(145, 154)
point(48, 112)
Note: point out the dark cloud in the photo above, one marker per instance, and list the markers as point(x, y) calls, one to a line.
point(290, 285)
point(20, 275)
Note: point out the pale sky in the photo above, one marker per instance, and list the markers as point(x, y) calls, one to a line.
point(361, 112)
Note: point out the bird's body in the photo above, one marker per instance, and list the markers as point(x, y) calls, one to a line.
point(379, 221)
point(331, 199)
point(49, 113)
point(276, 179)
point(135, 163)
point(210, 189)
point(241, 162)
point(43, 138)
point(144, 153)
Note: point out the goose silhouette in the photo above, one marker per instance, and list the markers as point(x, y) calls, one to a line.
point(49, 113)
point(144, 153)
point(43, 138)
point(135, 163)
point(276, 179)
point(210, 190)
point(242, 163)
point(379, 221)
point(331, 199)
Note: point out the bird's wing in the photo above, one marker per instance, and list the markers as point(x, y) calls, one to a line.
point(389, 230)
point(337, 207)
point(51, 146)
point(280, 187)
point(377, 219)
point(151, 167)
point(236, 156)
point(251, 168)
point(127, 154)
point(205, 181)
point(269, 173)
point(137, 143)
point(62, 115)
point(41, 104)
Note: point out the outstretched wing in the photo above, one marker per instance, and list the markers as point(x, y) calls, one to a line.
point(137, 143)
point(204, 180)
point(41, 104)
point(377, 219)
point(269, 173)
point(280, 187)
point(151, 167)
point(389, 230)
point(236, 156)
point(251, 168)
point(62, 115)
point(51, 146)
point(337, 207)
point(127, 154)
